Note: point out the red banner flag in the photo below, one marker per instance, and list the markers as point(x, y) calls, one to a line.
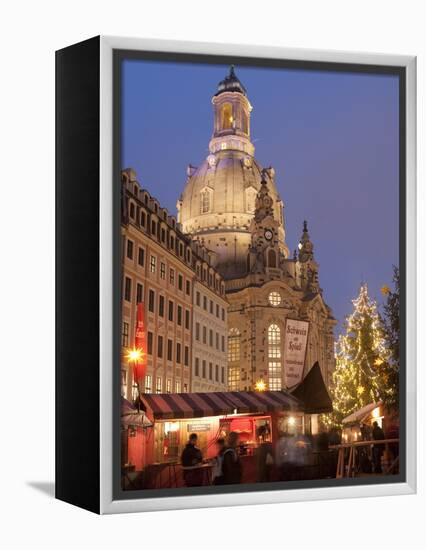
point(139, 366)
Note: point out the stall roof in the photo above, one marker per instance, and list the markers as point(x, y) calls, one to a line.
point(168, 406)
point(130, 416)
point(361, 414)
point(313, 392)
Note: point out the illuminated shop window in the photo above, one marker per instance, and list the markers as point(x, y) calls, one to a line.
point(274, 298)
point(274, 357)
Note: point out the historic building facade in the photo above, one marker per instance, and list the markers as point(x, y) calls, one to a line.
point(231, 205)
point(166, 271)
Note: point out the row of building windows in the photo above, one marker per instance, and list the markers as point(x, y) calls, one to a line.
point(214, 308)
point(159, 388)
point(181, 317)
point(156, 229)
point(160, 346)
point(201, 335)
point(153, 268)
point(169, 239)
point(274, 358)
point(159, 385)
point(210, 278)
point(212, 373)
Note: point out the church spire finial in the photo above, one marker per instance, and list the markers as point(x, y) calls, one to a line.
point(306, 248)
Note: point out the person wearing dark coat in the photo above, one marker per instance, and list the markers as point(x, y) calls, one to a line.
point(191, 457)
point(264, 456)
point(231, 466)
point(378, 435)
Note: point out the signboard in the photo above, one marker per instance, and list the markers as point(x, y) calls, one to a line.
point(140, 343)
point(295, 341)
point(198, 427)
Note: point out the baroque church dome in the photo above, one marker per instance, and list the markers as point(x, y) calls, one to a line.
point(218, 201)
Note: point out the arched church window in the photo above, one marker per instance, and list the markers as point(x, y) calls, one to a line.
point(272, 258)
point(274, 357)
point(205, 201)
point(234, 345)
point(274, 298)
point(226, 116)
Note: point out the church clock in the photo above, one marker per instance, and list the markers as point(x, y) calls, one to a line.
point(268, 235)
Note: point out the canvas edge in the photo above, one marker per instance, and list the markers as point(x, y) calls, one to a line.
point(107, 503)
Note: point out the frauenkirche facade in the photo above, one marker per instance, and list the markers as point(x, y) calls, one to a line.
point(231, 205)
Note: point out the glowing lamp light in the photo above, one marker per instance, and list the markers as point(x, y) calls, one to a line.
point(291, 421)
point(260, 385)
point(376, 412)
point(134, 355)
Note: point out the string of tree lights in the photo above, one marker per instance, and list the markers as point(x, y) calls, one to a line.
point(367, 355)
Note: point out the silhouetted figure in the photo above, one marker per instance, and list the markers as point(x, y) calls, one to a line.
point(322, 442)
point(264, 455)
point(217, 470)
point(378, 449)
point(232, 470)
point(191, 457)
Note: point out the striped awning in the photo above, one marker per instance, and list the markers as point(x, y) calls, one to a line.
point(167, 406)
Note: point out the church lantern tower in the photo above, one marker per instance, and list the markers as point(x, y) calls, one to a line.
point(232, 110)
point(218, 202)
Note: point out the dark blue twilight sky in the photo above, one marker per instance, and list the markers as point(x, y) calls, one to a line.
point(331, 137)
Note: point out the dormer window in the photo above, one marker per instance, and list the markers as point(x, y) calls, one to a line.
point(205, 204)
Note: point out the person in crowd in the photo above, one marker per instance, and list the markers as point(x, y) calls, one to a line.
point(365, 432)
point(217, 469)
point(191, 457)
point(292, 453)
point(231, 466)
point(393, 433)
point(264, 455)
point(322, 441)
point(378, 449)
point(285, 456)
point(334, 437)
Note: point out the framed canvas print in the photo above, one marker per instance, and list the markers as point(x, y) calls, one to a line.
point(235, 245)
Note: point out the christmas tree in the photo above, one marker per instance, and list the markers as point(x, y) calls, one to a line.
point(360, 355)
point(390, 320)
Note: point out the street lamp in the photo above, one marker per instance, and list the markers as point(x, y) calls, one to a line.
point(260, 385)
point(134, 356)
